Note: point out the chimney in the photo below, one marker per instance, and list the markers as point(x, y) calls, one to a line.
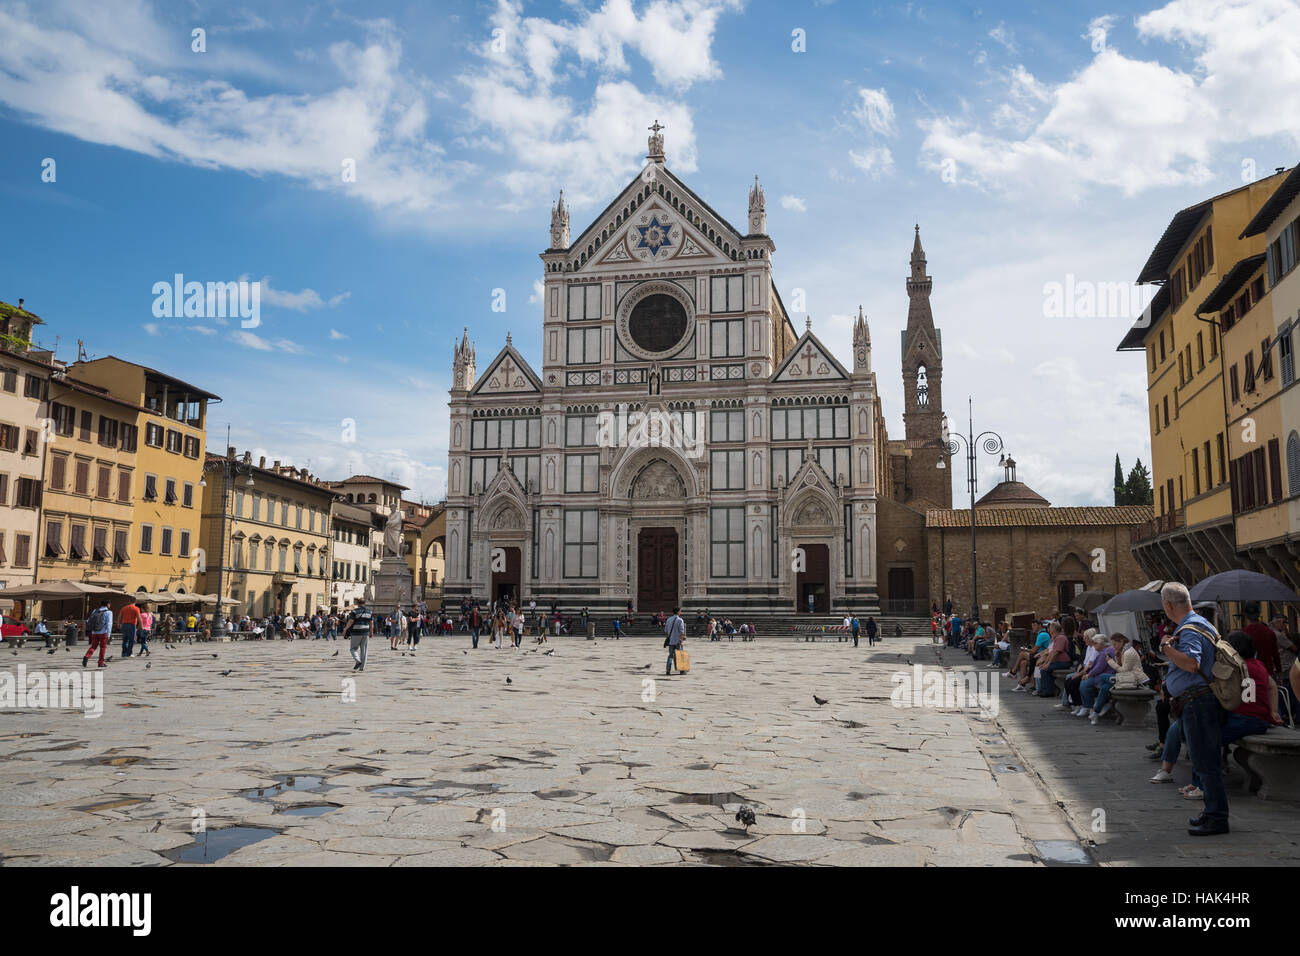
point(20, 303)
point(1278, 170)
point(277, 464)
point(261, 461)
point(230, 451)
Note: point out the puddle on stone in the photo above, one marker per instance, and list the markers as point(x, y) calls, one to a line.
point(708, 799)
point(309, 810)
point(723, 858)
point(211, 845)
point(311, 783)
point(457, 785)
point(1008, 768)
point(112, 804)
point(123, 761)
point(699, 766)
point(356, 768)
point(1062, 852)
point(557, 794)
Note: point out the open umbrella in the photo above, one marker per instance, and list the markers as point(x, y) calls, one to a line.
point(1089, 601)
point(1137, 600)
point(57, 590)
point(1241, 586)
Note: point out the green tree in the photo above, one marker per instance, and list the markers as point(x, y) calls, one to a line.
point(1137, 487)
point(1121, 490)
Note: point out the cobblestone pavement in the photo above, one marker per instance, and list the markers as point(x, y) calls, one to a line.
point(1100, 775)
point(501, 757)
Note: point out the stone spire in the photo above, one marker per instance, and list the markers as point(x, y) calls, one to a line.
point(923, 385)
point(861, 343)
point(559, 224)
point(918, 262)
point(462, 364)
point(757, 210)
point(655, 142)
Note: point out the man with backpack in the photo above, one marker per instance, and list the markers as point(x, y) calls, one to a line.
point(856, 627)
point(357, 630)
point(1197, 689)
point(99, 625)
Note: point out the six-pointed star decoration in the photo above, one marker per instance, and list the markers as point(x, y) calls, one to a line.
point(654, 236)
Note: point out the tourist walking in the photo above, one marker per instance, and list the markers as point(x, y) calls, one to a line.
point(855, 627)
point(1191, 652)
point(357, 630)
point(144, 632)
point(128, 621)
point(872, 630)
point(99, 625)
point(675, 629)
point(475, 624)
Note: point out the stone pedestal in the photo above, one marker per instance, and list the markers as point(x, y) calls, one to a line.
point(392, 583)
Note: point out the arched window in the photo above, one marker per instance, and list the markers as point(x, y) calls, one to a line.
point(922, 386)
point(1293, 464)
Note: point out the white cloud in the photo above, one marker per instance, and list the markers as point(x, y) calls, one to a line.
point(152, 328)
point(793, 203)
point(875, 161)
point(1002, 35)
point(1138, 123)
point(254, 341)
point(299, 301)
point(202, 329)
point(335, 335)
point(90, 77)
point(875, 112)
point(591, 147)
point(539, 289)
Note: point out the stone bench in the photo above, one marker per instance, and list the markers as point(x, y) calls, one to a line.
point(1272, 763)
point(1132, 706)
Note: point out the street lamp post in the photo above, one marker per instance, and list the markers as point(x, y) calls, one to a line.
point(992, 444)
point(229, 468)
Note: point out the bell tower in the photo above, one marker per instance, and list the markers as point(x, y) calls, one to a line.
point(923, 390)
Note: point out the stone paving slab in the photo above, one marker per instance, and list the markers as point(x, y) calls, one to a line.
point(587, 757)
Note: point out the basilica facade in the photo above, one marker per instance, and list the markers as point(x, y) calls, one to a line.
point(680, 441)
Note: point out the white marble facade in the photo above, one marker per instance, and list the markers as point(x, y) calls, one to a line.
point(660, 450)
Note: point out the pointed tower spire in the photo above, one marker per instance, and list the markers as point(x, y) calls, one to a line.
point(559, 224)
point(918, 256)
point(462, 363)
point(923, 383)
point(861, 343)
point(757, 210)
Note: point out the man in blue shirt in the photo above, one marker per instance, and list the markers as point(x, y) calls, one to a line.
point(954, 631)
point(675, 628)
point(1190, 650)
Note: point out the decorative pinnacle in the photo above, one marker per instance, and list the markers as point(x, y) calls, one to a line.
point(808, 324)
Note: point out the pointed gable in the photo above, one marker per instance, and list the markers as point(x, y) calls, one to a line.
point(653, 222)
point(508, 374)
point(809, 361)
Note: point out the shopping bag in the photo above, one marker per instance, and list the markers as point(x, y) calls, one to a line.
point(682, 661)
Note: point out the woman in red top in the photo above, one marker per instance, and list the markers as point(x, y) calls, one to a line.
point(1258, 710)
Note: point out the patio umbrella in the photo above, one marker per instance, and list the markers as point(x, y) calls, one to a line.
point(160, 598)
point(1241, 586)
point(57, 590)
point(1136, 600)
point(1089, 601)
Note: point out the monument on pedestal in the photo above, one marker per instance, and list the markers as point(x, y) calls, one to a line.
point(392, 582)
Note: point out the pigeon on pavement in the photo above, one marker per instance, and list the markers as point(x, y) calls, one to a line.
point(745, 817)
point(820, 702)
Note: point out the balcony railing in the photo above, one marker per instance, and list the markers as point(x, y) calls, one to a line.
point(1163, 524)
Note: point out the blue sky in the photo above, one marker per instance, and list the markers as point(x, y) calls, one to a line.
point(1032, 142)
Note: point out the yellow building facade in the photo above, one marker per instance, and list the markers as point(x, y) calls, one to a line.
point(1258, 307)
point(266, 534)
point(169, 438)
point(1192, 532)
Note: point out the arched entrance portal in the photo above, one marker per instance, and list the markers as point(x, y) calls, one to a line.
point(656, 575)
point(813, 584)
